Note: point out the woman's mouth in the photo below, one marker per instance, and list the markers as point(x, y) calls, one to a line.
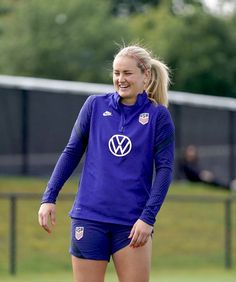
point(123, 87)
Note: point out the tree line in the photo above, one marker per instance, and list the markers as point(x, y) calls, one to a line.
point(76, 40)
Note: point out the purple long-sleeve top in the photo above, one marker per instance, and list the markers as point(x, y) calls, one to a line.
point(129, 156)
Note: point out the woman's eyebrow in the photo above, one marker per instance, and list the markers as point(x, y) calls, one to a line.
point(125, 70)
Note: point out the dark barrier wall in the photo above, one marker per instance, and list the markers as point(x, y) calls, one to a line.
point(37, 115)
point(35, 127)
point(213, 130)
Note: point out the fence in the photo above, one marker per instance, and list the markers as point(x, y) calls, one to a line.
point(13, 198)
point(36, 116)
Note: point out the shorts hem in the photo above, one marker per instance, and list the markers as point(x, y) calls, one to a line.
point(120, 247)
point(88, 258)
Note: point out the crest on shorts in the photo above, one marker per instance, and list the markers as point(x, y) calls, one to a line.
point(144, 118)
point(79, 232)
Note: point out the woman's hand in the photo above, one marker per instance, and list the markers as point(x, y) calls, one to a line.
point(47, 211)
point(140, 234)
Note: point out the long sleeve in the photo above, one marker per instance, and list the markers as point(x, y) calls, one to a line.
point(71, 155)
point(164, 161)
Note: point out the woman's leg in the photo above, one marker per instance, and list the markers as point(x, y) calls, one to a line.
point(89, 249)
point(85, 270)
point(133, 264)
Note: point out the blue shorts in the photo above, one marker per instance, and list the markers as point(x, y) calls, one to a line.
point(97, 240)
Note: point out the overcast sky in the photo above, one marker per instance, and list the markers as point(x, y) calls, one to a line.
point(213, 5)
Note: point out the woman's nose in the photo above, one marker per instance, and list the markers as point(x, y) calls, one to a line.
point(121, 78)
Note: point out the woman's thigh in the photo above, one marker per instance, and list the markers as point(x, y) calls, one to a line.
point(133, 264)
point(90, 250)
point(85, 270)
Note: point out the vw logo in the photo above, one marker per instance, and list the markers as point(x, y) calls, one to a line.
point(119, 145)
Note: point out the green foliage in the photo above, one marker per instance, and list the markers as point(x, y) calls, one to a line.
point(76, 40)
point(72, 40)
point(127, 7)
point(197, 47)
point(203, 58)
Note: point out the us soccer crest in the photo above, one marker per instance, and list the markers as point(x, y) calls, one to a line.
point(144, 118)
point(79, 232)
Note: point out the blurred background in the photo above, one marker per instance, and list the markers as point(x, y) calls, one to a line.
point(56, 53)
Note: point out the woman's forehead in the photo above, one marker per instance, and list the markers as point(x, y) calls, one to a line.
point(124, 62)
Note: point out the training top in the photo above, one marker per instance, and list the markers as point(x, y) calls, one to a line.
point(123, 145)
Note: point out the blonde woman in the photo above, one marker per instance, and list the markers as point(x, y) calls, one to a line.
point(123, 134)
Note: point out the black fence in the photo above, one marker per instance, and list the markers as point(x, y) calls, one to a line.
point(37, 115)
point(227, 202)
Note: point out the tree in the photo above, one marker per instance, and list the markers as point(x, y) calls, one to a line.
point(128, 7)
point(204, 60)
point(72, 40)
point(198, 47)
point(75, 40)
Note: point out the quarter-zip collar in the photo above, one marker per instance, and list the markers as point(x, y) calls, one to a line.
point(115, 102)
point(142, 99)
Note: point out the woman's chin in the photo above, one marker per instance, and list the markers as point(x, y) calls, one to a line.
point(124, 94)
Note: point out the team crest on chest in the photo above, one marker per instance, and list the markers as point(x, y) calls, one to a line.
point(144, 118)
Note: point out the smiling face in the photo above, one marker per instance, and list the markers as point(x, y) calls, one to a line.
point(128, 79)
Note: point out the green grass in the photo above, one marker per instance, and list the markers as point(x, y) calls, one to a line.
point(188, 238)
point(161, 276)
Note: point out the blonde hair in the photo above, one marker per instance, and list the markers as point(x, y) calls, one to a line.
point(157, 86)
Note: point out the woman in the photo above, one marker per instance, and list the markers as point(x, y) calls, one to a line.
point(124, 134)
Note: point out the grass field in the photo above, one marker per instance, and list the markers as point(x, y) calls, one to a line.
point(161, 276)
point(188, 241)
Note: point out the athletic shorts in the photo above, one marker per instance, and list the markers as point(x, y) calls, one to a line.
point(97, 240)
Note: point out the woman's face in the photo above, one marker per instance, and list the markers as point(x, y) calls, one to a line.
point(128, 79)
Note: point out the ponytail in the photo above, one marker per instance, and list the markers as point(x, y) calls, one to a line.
point(157, 86)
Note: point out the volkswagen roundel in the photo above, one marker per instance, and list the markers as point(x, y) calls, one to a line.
point(119, 145)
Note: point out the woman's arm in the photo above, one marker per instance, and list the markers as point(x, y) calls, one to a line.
point(65, 165)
